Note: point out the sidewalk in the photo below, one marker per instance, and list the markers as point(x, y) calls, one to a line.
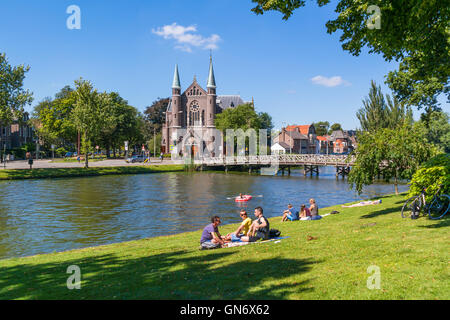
point(45, 164)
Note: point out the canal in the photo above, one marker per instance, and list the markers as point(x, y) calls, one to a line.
point(44, 216)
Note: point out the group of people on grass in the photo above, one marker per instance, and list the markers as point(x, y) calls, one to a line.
point(305, 213)
point(248, 231)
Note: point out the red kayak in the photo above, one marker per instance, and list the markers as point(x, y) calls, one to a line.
point(243, 199)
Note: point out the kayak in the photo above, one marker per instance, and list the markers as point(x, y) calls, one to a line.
point(244, 198)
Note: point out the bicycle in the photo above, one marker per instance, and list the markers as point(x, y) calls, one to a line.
point(439, 206)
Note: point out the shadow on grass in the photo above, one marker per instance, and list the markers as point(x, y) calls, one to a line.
point(444, 222)
point(374, 214)
point(175, 275)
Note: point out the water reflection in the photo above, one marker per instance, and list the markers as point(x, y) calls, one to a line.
point(42, 216)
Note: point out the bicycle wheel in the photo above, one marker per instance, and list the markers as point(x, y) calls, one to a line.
point(412, 207)
point(439, 207)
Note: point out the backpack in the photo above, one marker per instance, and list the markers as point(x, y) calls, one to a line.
point(274, 233)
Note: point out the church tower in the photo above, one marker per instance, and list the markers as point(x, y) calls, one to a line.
point(176, 99)
point(212, 97)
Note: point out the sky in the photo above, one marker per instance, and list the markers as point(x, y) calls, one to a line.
point(294, 70)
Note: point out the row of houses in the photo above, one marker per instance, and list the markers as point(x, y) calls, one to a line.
point(16, 134)
point(302, 139)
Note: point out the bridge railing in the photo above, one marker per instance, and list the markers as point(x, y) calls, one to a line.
point(288, 159)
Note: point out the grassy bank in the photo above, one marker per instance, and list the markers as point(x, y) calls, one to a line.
point(412, 256)
point(82, 172)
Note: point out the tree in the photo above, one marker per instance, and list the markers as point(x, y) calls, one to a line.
point(121, 124)
point(322, 128)
point(378, 112)
point(154, 115)
point(89, 114)
point(415, 33)
point(13, 97)
point(437, 129)
point(335, 127)
point(243, 117)
point(393, 153)
point(52, 118)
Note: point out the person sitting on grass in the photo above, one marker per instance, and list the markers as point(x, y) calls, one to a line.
point(259, 229)
point(305, 214)
point(289, 214)
point(243, 229)
point(314, 209)
point(211, 237)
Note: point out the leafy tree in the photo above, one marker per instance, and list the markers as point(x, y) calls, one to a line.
point(437, 129)
point(379, 112)
point(154, 115)
point(394, 153)
point(52, 118)
point(415, 33)
point(89, 114)
point(335, 127)
point(243, 117)
point(13, 97)
point(322, 128)
point(121, 124)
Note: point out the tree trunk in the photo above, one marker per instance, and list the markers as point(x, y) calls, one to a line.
point(396, 185)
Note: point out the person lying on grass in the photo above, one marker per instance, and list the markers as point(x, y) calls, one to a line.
point(363, 203)
point(243, 229)
point(211, 237)
point(305, 214)
point(289, 214)
point(259, 229)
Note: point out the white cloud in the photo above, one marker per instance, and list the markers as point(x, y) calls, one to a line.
point(187, 37)
point(330, 82)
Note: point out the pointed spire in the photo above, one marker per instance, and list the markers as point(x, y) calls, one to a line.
point(176, 79)
point(211, 78)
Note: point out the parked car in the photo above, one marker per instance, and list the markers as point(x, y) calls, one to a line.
point(136, 158)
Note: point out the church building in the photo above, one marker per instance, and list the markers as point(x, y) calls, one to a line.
point(195, 108)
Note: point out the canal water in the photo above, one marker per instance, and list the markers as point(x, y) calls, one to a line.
point(44, 216)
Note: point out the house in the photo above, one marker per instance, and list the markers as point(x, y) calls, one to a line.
point(342, 142)
point(280, 148)
point(300, 139)
point(16, 134)
point(325, 144)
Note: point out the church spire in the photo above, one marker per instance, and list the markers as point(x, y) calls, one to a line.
point(211, 78)
point(176, 79)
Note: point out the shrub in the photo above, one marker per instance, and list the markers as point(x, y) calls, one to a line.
point(431, 175)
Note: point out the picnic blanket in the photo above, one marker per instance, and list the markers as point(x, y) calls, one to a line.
point(241, 243)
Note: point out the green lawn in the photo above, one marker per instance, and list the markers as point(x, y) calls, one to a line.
point(81, 172)
point(413, 256)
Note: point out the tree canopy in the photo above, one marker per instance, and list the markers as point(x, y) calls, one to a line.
point(414, 32)
point(379, 112)
point(13, 97)
point(393, 153)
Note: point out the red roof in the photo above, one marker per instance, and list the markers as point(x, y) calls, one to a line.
point(303, 129)
point(321, 138)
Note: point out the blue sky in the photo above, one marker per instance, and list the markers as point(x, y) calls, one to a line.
point(295, 71)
